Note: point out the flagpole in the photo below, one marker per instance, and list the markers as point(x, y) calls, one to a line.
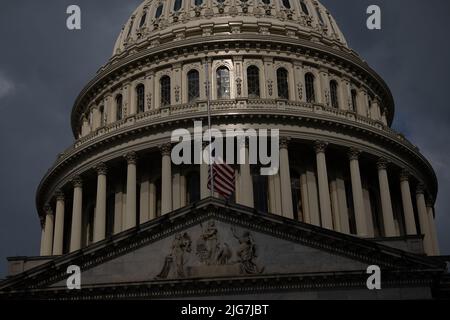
point(208, 103)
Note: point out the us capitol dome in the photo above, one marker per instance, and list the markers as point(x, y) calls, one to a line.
point(350, 192)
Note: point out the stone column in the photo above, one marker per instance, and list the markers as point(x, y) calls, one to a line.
point(285, 180)
point(275, 194)
point(408, 210)
point(144, 200)
point(58, 241)
point(166, 179)
point(305, 197)
point(386, 201)
point(313, 199)
point(324, 190)
point(77, 215)
point(246, 181)
point(100, 209)
point(335, 206)
point(343, 205)
point(48, 236)
point(152, 200)
point(384, 116)
point(41, 252)
point(130, 214)
point(423, 220)
point(432, 224)
point(176, 190)
point(118, 208)
point(358, 199)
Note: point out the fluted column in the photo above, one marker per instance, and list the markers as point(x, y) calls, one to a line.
point(358, 199)
point(386, 201)
point(305, 197)
point(275, 194)
point(324, 189)
point(41, 252)
point(246, 181)
point(408, 210)
point(432, 224)
point(166, 179)
point(100, 209)
point(423, 220)
point(285, 180)
point(48, 236)
point(77, 215)
point(58, 237)
point(152, 200)
point(130, 214)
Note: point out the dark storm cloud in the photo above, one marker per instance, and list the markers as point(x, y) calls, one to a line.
point(43, 67)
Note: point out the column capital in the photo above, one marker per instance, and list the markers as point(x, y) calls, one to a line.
point(284, 142)
point(59, 195)
point(48, 210)
point(320, 146)
point(420, 189)
point(353, 154)
point(166, 149)
point(77, 182)
point(131, 157)
point(404, 175)
point(382, 164)
point(102, 169)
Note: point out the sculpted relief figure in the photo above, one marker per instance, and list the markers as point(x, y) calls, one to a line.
point(209, 249)
point(176, 260)
point(247, 253)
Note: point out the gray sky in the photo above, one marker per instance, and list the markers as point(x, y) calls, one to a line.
point(43, 67)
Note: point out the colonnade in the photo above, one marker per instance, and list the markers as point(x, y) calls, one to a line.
point(323, 197)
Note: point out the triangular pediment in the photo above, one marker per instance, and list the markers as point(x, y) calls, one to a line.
point(216, 241)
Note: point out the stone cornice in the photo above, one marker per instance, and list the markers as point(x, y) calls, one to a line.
point(177, 221)
point(238, 42)
point(230, 286)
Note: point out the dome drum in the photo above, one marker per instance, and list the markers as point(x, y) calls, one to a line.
point(281, 64)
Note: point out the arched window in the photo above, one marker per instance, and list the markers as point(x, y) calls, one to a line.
point(177, 5)
point(253, 82)
point(143, 20)
point(309, 85)
point(304, 7)
point(223, 83)
point(140, 96)
point(159, 11)
point(130, 29)
point(266, 1)
point(193, 78)
point(354, 100)
point(198, 2)
point(319, 14)
point(283, 83)
point(334, 94)
point(287, 4)
point(119, 107)
point(102, 115)
point(193, 187)
point(165, 91)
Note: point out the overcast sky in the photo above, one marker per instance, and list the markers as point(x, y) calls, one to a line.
point(43, 67)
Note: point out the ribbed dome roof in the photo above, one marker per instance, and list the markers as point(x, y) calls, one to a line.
point(158, 18)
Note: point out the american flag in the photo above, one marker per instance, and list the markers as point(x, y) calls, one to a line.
point(224, 179)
